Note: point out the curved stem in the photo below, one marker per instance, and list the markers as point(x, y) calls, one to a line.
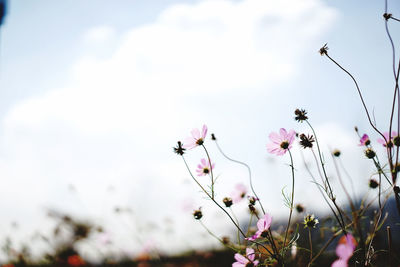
point(211, 171)
point(291, 205)
point(249, 171)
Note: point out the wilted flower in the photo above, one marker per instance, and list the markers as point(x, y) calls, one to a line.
point(373, 183)
point(197, 138)
point(300, 115)
point(239, 193)
point(310, 221)
point(263, 225)
point(281, 142)
point(387, 143)
point(344, 250)
point(245, 261)
point(227, 201)
point(306, 141)
point(364, 140)
point(197, 214)
point(204, 167)
point(179, 149)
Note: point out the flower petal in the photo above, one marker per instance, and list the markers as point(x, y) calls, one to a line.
point(204, 132)
point(240, 258)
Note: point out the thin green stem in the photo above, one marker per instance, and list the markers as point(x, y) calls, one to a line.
point(291, 205)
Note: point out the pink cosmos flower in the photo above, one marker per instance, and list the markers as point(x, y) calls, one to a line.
point(204, 167)
point(239, 193)
point(263, 225)
point(281, 142)
point(197, 138)
point(344, 250)
point(389, 143)
point(364, 141)
point(242, 261)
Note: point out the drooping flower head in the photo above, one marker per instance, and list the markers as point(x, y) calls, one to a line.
point(263, 225)
point(344, 250)
point(245, 261)
point(204, 167)
point(364, 140)
point(197, 138)
point(239, 193)
point(282, 142)
point(387, 143)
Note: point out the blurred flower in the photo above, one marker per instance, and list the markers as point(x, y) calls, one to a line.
point(75, 260)
point(204, 167)
point(242, 261)
point(197, 138)
point(281, 142)
point(364, 141)
point(310, 221)
point(300, 115)
point(306, 141)
point(263, 225)
point(179, 149)
point(387, 143)
point(336, 152)
point(227, 201)
point(299, 208)
point(344, 250)
point(239, 193)
point(7, 265)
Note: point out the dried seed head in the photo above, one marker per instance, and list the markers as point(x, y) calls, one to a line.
point(369, 153)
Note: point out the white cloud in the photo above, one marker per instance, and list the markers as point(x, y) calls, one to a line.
point(99, 34)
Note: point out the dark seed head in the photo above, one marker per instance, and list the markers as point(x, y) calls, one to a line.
point(227, 201)
point(306, 141)
point(369, 153)
point(197, 214)
point(300, 115)
point(179, 149)
point(285, 145)
point(373, 183)
point(336, 152)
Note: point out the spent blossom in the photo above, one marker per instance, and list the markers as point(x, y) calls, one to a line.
point(245, 261)
point(263, 226)
point(197, 138)
point(204, 167)
point(282, 142)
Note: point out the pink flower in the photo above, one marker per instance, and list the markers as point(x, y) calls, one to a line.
point(197, 138)
point(204, 167)
point(389, 143)
point(344, 250)
point(364, 141)
point(281, 142)
point(239, 193)
point(242, 261)
point(263, 225)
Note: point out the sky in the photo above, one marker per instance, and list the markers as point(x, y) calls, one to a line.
point(94, 95)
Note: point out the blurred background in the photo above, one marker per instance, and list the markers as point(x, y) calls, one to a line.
point(94, 95)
